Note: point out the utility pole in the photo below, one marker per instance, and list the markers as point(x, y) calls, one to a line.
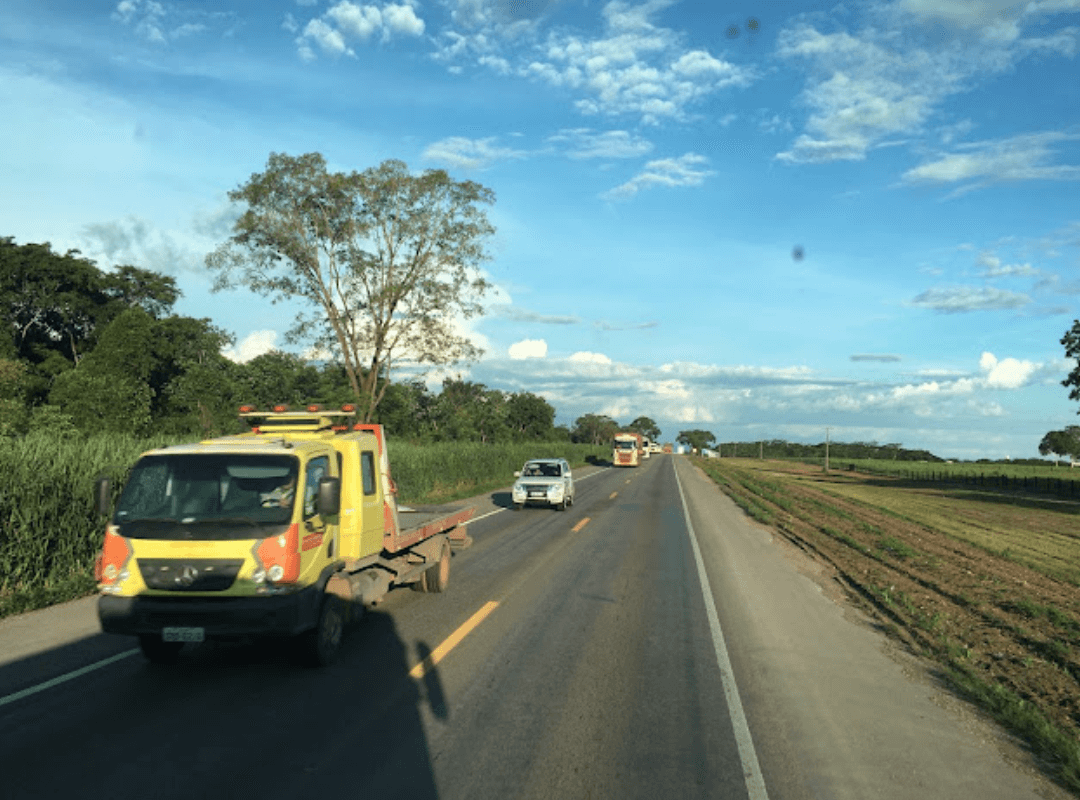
point(826, 449)
point(760, 450)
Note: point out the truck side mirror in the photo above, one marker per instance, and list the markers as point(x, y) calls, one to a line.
point(329, 497)
point(102, 496)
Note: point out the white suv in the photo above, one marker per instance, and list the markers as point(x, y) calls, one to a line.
point(544, 480)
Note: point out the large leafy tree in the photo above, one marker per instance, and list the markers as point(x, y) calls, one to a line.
point(696, 438)
point(594, 429)
point(646, 427)
point(530, 416)
point(387, 260)
point(1065, 442)
point(53, 307)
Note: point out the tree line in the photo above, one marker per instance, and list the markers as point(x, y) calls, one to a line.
point(97, 351)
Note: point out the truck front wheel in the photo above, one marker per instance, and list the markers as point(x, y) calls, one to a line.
point(320, 645)
point(158, 651)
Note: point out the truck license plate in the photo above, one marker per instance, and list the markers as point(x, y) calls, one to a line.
point(183, 634)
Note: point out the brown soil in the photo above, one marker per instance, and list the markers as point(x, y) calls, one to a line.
point(975, 611)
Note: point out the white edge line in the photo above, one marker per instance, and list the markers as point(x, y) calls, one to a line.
point(11, 698)
point(755, 781)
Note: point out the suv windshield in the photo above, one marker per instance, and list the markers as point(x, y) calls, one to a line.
point(208, 496)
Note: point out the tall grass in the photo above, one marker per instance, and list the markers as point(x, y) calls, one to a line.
point(50, 533)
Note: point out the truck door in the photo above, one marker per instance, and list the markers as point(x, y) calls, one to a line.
point(372, 521)
point(317, 539)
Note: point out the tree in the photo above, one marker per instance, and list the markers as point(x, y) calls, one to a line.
point(594, 429)
point(1062, 443)
point(646, 427)
point(697, 439)
point(530, 416)
point(389, 261)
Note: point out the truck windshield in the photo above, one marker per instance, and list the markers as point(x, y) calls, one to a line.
point(208, 496)
point(631, 445)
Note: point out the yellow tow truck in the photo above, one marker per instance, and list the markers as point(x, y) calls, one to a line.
point(288, 530)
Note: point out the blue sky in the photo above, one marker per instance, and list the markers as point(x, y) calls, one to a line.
point(654, 164)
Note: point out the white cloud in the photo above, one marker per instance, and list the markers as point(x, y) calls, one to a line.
point(583, 143)
point(254, 344)
point(353, 20)
point(1008, 373)
point(634, 67)
point(681, 171)
point(160, 22)
point(961, 299)
point(898, 65)
point(463, 153)
point(528, 348)
point(328, 38)
point(586, 357)
point(993, 268)
point(981, 164)
point(346, 21)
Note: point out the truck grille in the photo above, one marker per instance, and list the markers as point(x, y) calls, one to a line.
point(189, 574)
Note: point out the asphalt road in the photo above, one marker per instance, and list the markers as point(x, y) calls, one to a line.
point(649, 642)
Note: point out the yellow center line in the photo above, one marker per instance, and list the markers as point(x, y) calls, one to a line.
point(439, 653)
point(580, 525)
point(613, 495)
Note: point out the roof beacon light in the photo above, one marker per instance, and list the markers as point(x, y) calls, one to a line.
point(281, 408)
point(247, 408)
point(349, 408)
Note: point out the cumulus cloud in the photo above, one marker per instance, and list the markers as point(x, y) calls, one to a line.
point(528, 348)
point(586, 357)
point(681, 171)
point(463, 153)
point(254, 344)
point(346, 21)
point(1008, 373)
point(994, 268)
point(962, 299)
point(633, 67)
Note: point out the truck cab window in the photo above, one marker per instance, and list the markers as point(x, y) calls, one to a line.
point(367, 468)
point(317, 469)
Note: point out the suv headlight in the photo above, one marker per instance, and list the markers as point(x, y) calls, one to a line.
point(555, 488)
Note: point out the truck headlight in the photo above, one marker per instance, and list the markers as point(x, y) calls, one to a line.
point(276, 572)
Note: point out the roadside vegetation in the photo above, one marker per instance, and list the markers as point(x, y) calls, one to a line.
point(984, 582)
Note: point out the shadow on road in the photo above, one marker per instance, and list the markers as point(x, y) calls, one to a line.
point(237, 720)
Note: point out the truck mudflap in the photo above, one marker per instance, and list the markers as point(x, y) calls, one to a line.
point(277, 615)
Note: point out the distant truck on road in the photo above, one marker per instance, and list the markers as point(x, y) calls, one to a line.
point(285, 531)
point(626, 449)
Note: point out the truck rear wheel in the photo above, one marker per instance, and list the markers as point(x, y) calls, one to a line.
point(158, 651)
point(320, 645)
point(437, 578)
